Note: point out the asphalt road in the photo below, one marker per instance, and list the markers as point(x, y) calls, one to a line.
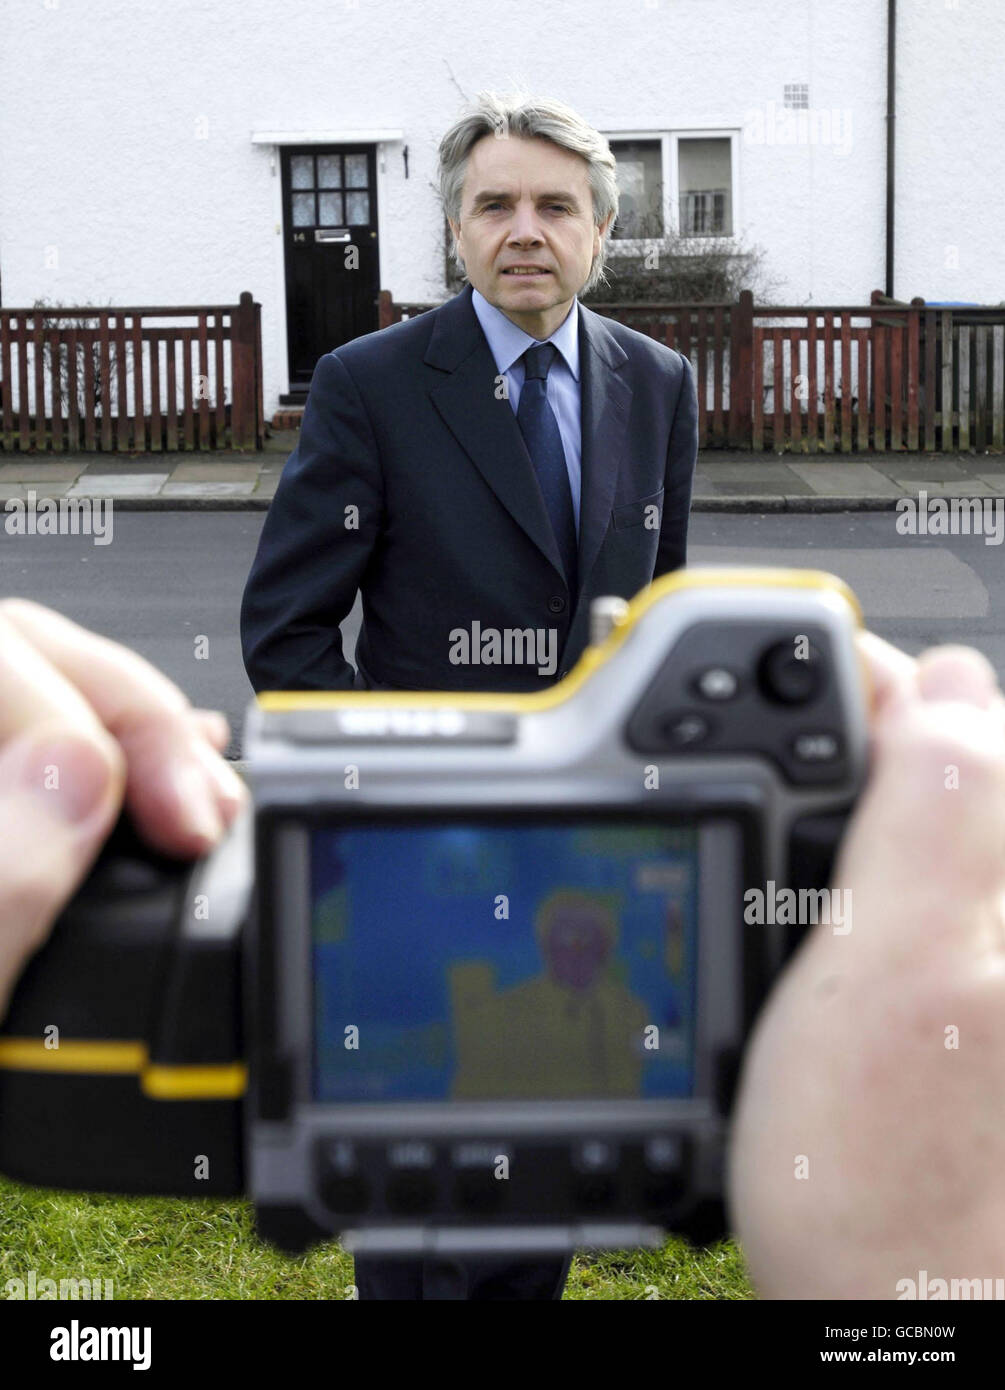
point(169, 578)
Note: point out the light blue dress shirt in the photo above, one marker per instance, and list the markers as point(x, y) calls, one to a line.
point(508, 343)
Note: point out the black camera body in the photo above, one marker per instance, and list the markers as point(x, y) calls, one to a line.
point(476, 973)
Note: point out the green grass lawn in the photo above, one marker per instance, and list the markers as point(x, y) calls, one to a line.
point(156, 1247)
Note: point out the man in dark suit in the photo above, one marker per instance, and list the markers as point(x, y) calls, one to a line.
point(480, 473)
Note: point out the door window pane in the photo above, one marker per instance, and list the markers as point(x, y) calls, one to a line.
point(302, 171)
point(355, 171)
point(303, 209)
point(357, 208)
point(640, 189)
point(706, 204)
point(331, 209)
point(329, 171)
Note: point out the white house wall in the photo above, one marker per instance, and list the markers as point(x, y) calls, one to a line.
point(951, 150)
point(128, 173)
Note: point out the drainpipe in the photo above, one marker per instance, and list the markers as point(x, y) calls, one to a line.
point(891, 128)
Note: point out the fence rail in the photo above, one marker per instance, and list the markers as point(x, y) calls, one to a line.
point(831, 378)
point(132, 379)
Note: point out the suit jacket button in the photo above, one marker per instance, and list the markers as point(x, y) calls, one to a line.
point(557, 604)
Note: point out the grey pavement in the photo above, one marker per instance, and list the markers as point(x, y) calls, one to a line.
point(725, 481)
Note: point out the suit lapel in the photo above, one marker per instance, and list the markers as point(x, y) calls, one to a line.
point(485, 426)
point(605, 406)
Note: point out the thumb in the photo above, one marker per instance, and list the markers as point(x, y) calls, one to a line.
point(924, 849)
point(943, 771)
point(60, 794)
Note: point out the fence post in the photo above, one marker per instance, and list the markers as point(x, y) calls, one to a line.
point(741, 360)
point(242, 374)
point(259, 387)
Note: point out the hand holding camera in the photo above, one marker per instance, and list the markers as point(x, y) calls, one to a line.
point(618, 819)
point(85, 725)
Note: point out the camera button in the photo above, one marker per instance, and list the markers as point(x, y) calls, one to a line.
point(411, 1193)
point(716, 683)
point(345, 1195)
point(686, 730)
point(664, 1152)
point(594, 1156)
point(411, 1153)
point(787, 678)
point(816, 748)
point(666, 1159)
point(339, 1156)
point(342, 1188)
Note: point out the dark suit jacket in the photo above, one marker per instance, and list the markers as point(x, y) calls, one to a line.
point(408, 426)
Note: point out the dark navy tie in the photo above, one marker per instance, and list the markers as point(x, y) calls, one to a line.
point(544, 444)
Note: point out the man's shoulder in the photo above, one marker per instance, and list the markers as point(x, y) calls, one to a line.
point(643, 350)
point(405, 340)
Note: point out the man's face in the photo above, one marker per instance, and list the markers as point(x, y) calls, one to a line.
point(527, 202)
point(577, 946)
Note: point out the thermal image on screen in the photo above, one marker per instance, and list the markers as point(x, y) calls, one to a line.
point(503, 961)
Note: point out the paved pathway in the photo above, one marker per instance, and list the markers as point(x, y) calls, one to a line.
point(724, 482)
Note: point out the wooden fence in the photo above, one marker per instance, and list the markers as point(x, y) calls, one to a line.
point(132, 379)
point(717, 340)
point(911, 377)
point(830, 379)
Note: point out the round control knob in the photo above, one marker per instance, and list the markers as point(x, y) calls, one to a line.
point(788, 677)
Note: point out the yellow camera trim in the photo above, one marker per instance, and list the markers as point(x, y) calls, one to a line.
point(225, 1081)
point(277, 701)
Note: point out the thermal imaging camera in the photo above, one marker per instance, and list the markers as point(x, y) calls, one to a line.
point(473, 974)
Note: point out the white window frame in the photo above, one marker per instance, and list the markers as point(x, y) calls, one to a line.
point(670, 173)
point(704, 133)
point(633, 245)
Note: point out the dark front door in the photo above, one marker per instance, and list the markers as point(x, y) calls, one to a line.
point(330, 229)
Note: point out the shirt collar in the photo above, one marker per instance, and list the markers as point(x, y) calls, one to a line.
point(508, 342)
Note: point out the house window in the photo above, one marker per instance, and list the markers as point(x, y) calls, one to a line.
point(640, 189)
point(340, 201)
point(797, 96)
point(706, 184)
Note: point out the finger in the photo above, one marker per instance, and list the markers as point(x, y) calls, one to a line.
point(957, 673)
point(61, 790)
point(927, 833)
point(173, 802)
point(180, 804)
point(114, 680)
point(890, 671)
point(33, 691)
point(214, 725)
point(232, 791)
point(182, 793)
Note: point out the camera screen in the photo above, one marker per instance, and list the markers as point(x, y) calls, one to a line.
point(467, 960)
